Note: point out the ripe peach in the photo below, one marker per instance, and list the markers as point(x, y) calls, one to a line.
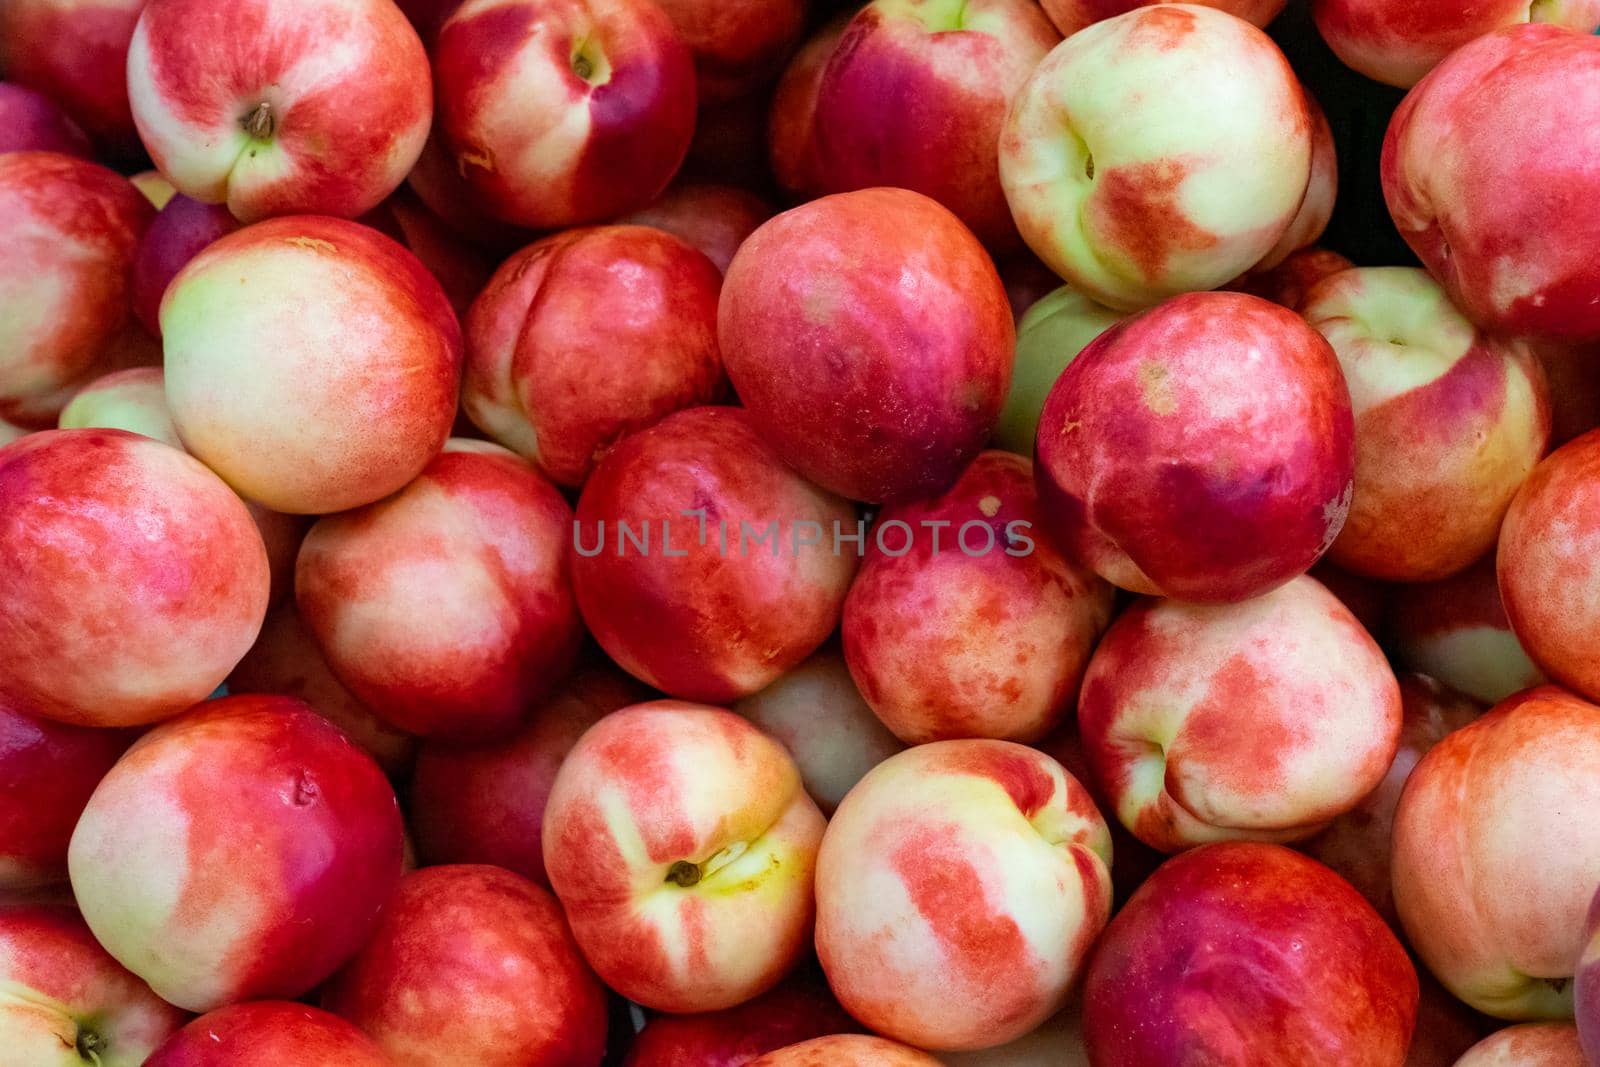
point(240, 852)
point(136, 400)
point(1159, 152)
point(1496, 854)
point(76, 53)
point(31, 122)
point(1528, 1045)
point(71, 229)
point(818, 714)
point(1243, 954)
point(798, 1010)
point(681, 844)
point(248, 326)
point(286, 661)
point(1316, 208)
point(1481, 165)
point(319, 107)
point(67, 1003)
point(1070, 16)
point(564, 113)
point(1456, 630)
point(48, 771)
point(716, 219)
point(1356, 844)
point(586, 336)
point(1449, 422)
point(986, 635)
point(829, 340)
point(960, 887)
point(1168, 471)
point(1050, 334)
point(180, 231)
point(792, 126)
point(447, 608)
point(1262, 720)
point(705, 567)
point(915, 96)
point(176, 593)
point(268, 1033)
point(1399, 43)
point(736, 47)
point(485, 803)
point(846, 1050)
point(473, 965)
point(1546, 564)
point(1288, 282)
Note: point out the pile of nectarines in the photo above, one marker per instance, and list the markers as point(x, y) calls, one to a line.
point(799, 533)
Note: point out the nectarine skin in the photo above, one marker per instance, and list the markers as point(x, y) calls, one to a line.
point(1243, 954)
point(268, 1033)
point(870, 338)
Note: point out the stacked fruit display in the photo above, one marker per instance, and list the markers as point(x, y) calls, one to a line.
point(701, 533)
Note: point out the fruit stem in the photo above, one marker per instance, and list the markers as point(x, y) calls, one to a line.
point(260, 122)
point(684, 874)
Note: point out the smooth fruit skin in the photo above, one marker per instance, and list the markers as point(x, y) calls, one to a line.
point(47, 772)
point(800, 1009)
point(846, 1050)
point(1262, 720)
point(240, 852)
point(960, 887)
point(180, 231)
point(76, 53)
point(286, 661)
point(719, 616)
point(317, 107)
point(870, 338)
point(176, 594)
point(1456, 630)
point(1547, 565)
point(716, 219)
point(136, 400)
point(1449, 422)
point(1480, 167)
point(915, 95)
point(561, 112)
point(980, 636)
point(155, 188)
point(589, 335)
point(736, 47)
point(791, 121)
point(1171, 469)
point(1528, 1045)
point(818, 714)
point(681, 844)
point(485, 803)
point(268, 1033)
point(1316, 208)
point(447, 608)
point(31, 122)
point(473, 965)
point(1051, 333)
point(1133, 192)
point(1243, 954)
point(71, 229)
point(1288, 283)
point(1356, 845)
point(1586, 982)
point(248, 326)
point(1070, 16)
point(1399, 43)
point(67, 1003)
point(1496, 854)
